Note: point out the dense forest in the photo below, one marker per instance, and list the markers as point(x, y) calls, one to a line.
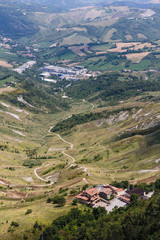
point(138, 221)
point(109, 87)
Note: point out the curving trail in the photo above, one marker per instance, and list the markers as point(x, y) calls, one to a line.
point(35, 172)
point(63, 152)
point(71, 145)
point(73, 159)
point(56, 177)
point(92, 106)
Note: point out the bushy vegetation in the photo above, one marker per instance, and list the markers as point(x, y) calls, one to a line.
point(36, 94)
point(60, 200)
point(153, 186)
point(139, 220)
point(32, 163)
point(83, 118)
point(133, 26)
point(29, 211)
point(108, 87)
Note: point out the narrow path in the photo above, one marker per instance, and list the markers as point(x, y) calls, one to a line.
point(73, 159)
point(63, 152)
point(92, 106)
point(71, 145)
point(56, 178)
point(85, 180)
point(43, 179)
point(35, 172)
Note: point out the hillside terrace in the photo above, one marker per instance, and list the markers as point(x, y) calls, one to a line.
point(109, 197)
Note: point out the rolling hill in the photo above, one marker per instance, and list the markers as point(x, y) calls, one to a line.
point(59, 136)
point(13, 22)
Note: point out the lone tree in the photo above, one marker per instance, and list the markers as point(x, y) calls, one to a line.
point(60, 200)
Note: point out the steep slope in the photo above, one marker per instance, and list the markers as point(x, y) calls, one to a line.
point(116, 144)
point(139, 221)
point(13, 22)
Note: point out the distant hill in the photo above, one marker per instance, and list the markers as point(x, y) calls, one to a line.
point(14, 23)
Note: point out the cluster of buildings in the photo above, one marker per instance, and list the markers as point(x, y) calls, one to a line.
point(73, 73)
point(5, 42)
point(27, 53)
point(108, 196)
point(24, 66)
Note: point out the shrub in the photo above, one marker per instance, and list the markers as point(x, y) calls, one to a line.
point(60, 200)
point(85, 187)
point(75, 201)
point(28, 211)
point(14, 224)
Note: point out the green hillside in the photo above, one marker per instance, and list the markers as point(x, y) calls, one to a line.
point(14, 24)
point(91, 118)
point(138, 221)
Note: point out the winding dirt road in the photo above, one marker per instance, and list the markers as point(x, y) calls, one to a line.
point(56, 175)
point(63, 152)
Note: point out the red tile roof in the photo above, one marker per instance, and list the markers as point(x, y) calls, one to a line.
point(114, 188)
point(125, 199)
point(91, 191)
point(106, 190)
point(82, 197)
point(119, 190)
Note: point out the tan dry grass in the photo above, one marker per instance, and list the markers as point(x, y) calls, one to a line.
point(140, 35)
point(136, 57)
point(122, 45)
point(109, 34)
point(142, 45)
point(131, 46)
point(93, 13)
point(7, 89)
point(5, 64)
point(99, 53)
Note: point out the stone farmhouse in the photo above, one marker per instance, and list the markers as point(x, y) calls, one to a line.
point(108, 196)
point(89, 197)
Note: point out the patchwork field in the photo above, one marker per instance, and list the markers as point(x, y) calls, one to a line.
point(122, 47)
point(78, 50)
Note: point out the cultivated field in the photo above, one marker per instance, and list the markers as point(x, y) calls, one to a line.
point(5, 64)
point(122, 47)
point(136, 57)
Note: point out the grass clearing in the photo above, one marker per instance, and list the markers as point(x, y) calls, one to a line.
point(137, 57)
point(5, 64)
point(76, 39)
point(107, 37)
